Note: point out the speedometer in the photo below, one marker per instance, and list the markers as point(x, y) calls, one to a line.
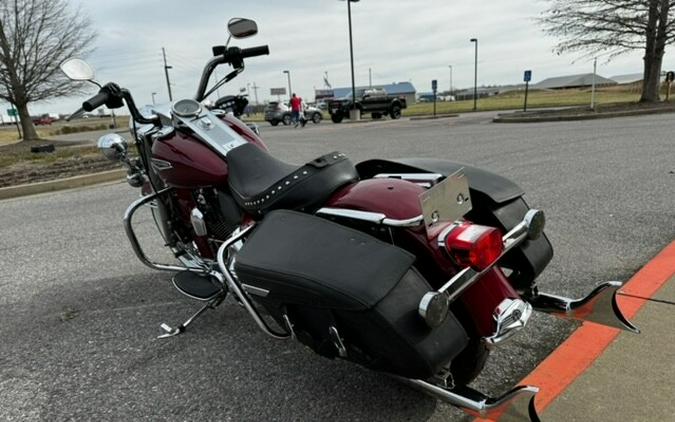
point(186, 108)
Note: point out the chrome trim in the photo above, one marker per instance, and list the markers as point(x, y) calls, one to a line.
point(198, 223)
point(510, 316)
point(136, 246)
point(216, 133)
point(599, 306)
point(160, 165)
point(517, 404)
point(468, 276)
point(371, 217)
point(236, 288)
point(425, 179)
point(254, 290)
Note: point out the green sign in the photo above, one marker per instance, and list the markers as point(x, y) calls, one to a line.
point(11, 112)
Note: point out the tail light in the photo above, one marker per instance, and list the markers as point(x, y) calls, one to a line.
point(473, 245)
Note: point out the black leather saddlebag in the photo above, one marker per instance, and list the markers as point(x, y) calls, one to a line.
point(321, 275)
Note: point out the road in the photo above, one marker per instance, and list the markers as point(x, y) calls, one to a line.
point(80, 314)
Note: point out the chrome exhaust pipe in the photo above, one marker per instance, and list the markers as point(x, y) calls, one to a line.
point(598, 306)
point(515, 405)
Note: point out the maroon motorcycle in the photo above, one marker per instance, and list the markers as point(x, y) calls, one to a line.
point(413, 267)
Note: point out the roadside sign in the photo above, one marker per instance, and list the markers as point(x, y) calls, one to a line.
point(277, 91)
point(434, 84)
point(527, 77)
point(11, 112)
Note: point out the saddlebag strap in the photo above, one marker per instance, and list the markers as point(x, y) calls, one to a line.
point(295, 178)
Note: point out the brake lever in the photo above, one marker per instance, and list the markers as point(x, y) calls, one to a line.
point(77, 113)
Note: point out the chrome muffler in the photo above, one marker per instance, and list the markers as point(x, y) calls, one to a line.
point(516, 405)
point(599, 306)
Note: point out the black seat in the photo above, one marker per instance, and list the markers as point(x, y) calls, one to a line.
point(261, 183)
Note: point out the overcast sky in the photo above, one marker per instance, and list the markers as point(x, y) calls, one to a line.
point(401, 41)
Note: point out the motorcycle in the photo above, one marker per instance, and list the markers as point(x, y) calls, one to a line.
point(412, 267)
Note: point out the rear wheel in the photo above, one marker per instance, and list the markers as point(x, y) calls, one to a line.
point(286, 119)
point(336, 118)
point(466, 366)
point(316, 118)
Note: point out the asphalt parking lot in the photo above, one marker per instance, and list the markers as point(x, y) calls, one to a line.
point(80, 314)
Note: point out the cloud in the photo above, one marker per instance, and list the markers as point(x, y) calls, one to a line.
point(399, 41)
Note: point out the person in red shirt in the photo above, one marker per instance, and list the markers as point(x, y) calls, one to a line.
point(296, 110)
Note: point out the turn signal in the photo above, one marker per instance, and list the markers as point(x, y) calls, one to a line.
point(474, 245)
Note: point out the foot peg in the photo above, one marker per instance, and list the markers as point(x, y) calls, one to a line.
point(197, 286)
point(599, 306)
point(515, 405)
point(171, 331)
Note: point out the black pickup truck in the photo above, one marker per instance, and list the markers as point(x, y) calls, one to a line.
point(373, 101)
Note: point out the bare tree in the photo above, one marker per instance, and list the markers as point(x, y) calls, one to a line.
point(615, 27)
point(35, 37)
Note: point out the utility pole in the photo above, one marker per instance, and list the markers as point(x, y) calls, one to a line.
point(166, 73)
point(354, 114)
point(450, 92)
point(370, 78)
point(595, 67)
point(288, 74)
point(255, 92)
point(475, 75)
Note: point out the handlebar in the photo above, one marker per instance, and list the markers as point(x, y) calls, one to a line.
point(255, 51)
point(96, 101)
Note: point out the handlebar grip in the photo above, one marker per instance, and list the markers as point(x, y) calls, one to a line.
point(255, 51)
point(96, 101)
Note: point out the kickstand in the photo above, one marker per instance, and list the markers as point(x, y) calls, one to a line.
point(171, 332)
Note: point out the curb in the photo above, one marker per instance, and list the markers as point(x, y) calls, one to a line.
point(432, 117)
point(61, 184)
point(607, 115)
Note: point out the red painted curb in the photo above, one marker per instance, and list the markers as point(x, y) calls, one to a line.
point(574, 356)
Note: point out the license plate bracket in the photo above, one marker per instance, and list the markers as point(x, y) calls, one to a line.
point(447, 201)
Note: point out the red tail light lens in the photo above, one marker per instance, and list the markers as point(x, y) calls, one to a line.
point(474, 245)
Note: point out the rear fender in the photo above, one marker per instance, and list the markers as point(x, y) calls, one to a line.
point(497, 202)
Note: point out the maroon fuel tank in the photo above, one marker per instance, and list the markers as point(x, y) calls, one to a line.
point(184, 161)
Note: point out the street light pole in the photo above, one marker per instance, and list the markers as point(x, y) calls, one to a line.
point(450, 92)
point(351, 58)
point(288, 74)
point(475, 75)
point(166, 73)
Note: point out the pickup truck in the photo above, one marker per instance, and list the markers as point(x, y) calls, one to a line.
point(374, 101)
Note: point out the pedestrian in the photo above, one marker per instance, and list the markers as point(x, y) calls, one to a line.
point(296, 109)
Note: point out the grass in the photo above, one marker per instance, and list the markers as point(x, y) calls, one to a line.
point(10, 156)
point(9, 135)
point(536, 99)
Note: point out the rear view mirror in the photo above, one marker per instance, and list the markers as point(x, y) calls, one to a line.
point(77, 70)
point(242, 28)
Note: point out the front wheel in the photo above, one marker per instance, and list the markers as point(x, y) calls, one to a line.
point(336, 118)
point(316, 118)
point(395, 112)
point(286, 119)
